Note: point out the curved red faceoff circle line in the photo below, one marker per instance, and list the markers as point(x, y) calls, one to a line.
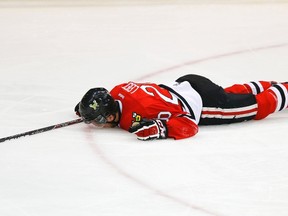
point(97, 150)
point(209, 58)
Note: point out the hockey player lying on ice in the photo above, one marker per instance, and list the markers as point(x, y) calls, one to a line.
point(153, 111)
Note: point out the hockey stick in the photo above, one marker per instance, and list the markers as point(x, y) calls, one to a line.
point(41, 130)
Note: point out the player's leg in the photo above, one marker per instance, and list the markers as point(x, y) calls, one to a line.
point(220, 107)
point(250, 87)
point(243, 107)
point(236, 108)
point(274, 99)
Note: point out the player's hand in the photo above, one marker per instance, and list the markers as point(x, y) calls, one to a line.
point(149, 129)
point(76, 109)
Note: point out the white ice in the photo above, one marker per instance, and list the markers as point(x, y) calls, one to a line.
point(50, 56)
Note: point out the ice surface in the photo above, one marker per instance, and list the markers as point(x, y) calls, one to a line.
point(50, 56)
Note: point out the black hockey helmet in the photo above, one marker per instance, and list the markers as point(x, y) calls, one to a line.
point(96, 105)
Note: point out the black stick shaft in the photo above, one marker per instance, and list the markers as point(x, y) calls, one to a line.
point(41, 130)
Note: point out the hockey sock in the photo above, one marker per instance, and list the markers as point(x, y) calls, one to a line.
point(272, 100)
point(249, 88)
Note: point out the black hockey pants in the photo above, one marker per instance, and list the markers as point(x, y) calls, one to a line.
point(215, 97)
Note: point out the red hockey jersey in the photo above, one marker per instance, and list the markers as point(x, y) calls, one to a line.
point(179, 105)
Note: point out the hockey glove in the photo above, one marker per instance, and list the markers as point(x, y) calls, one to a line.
point(76, 109)
point(149, 129)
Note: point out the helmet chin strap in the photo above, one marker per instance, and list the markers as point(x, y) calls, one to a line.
point(117, 115)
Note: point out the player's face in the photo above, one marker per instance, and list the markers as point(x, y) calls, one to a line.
point(111, 121)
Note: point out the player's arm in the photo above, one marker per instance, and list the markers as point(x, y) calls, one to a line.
point(179, 127)
point(182, 126)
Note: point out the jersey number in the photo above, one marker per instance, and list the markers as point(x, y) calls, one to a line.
point(164, 115)
point(172, 100)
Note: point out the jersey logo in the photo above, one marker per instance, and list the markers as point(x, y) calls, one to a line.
point(94, 105)
point(136, 117)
